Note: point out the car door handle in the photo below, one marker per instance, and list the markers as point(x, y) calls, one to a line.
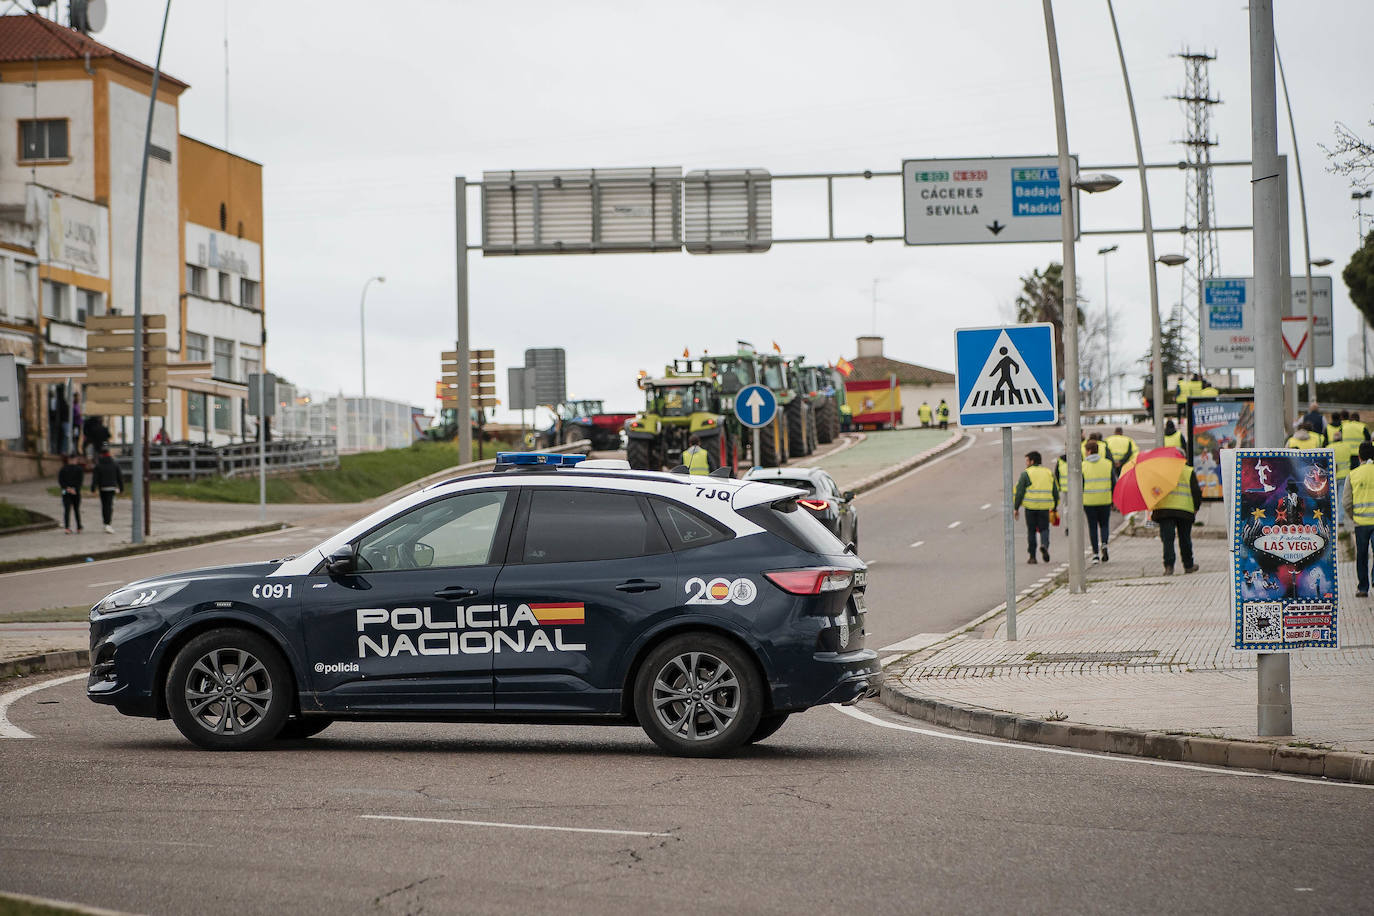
point(454, 592)
point(638, 585)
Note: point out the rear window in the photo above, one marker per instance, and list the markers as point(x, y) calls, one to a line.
point(795, 526)
point(800, 483)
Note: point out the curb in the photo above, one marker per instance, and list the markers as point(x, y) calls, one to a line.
point(10, 566)
point(46, 663)
point(897, 470)
point(1346, 766)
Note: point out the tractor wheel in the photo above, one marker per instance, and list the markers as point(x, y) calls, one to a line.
point(836, 424)
point(641, 455)
point(812, 434)
point(770, 454)
point(825, 431)
point(572, 433)
point(798, 421)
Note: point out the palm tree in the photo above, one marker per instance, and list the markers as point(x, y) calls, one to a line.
point(1042, 299)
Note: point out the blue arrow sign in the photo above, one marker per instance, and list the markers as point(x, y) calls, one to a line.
point(1005, 376)
point(755, 406)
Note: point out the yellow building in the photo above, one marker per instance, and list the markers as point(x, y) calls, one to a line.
point(77, 111)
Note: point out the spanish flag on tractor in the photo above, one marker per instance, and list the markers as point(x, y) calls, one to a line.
point(845, 367)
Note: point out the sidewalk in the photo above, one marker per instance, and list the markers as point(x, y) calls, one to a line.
point(172, 521)
point(1141, 652)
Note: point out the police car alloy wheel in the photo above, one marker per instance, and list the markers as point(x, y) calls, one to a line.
point(698, 696)
point(229, 690)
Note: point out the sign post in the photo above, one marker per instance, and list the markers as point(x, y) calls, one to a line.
point(756, 406)
point(1005, 377)
point(262, 403)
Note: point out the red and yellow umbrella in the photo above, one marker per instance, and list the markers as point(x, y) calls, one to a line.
point(1147, 478)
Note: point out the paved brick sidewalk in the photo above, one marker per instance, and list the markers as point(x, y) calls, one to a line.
point(1143, 651)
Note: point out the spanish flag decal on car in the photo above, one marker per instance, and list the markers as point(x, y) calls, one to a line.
point(559, 613)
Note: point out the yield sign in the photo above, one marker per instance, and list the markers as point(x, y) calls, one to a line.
point(1294, 336)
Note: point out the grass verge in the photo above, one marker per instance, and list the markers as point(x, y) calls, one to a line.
point(358, 477)
point(74, 614)
point(12, 516)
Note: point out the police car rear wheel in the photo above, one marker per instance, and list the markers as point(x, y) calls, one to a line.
point(698, 695)
point(229, 690)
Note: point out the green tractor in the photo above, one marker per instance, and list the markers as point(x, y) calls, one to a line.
point(824, 389)
point(782, 375)
point(684, 402)
point(732, 373)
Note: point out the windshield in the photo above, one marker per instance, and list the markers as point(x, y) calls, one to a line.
point(772, 376)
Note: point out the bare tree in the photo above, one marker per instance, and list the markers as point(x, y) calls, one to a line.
point(1351, 155)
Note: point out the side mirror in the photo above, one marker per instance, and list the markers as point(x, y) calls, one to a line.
point(341, 562)
point(848, 496)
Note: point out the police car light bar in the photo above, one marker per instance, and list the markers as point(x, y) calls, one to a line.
point(547, 459)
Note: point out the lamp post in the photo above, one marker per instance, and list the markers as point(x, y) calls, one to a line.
point(1067, 182)
point(1107, 314)
point(1168, 260)
point(362, 346)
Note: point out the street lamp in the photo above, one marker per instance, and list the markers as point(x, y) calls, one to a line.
point(1091, 184)
point(1168, 260)
point(1173, 260)
point(1107, 314)
point(362, 346)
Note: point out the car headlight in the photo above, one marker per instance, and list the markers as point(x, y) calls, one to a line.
point(138, 596)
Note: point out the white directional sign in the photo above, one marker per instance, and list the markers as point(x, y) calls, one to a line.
point(755, 406)
point(1228, 321)
point(970, 201)
point(1005, 376)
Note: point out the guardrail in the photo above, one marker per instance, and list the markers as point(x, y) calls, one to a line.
point(194, 460)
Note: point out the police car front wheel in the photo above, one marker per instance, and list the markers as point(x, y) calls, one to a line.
point(698, 695)
point(229, 690)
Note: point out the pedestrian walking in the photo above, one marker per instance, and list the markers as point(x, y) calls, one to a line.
point(942, 413)
point(1357, 504)
point(923, 414)
point(1173, 438)
point(1120, 448)
point(97, 436)
point(70, 479)
point(107, 480)
point(1313, 418)
point(1099, 478)
point(1352, 430)
point(1037, 493)
point(1174, 515)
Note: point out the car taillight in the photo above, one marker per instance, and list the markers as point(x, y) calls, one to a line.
point(811, 580)
point(815, 505)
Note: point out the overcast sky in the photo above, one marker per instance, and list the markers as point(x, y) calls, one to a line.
point(362, 114)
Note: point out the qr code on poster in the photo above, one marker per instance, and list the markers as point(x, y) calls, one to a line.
point(1262, 621)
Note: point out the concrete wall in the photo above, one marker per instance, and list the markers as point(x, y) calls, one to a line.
point(71, 99)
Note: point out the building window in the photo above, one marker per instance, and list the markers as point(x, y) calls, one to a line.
point(195, 348)
point(4, 286)
point(248, 293)
point(55, 301)
point(224, 287)
point(224, 360)
point(195, 410)
point(250, 368)
point(24, 306)
point(158, 152)
point(195, 279)
point(224, 417)
point(41, 141)
point(88, 304)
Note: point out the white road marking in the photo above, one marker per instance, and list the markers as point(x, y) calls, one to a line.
point(1115, 758)
point(441, 820)
point(918, 544)
point(111, 582)
point(915, 643)
point(954, 524)
point(9, 730)
point(985, 506)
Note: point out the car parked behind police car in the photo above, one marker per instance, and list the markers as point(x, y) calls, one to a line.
point(831, 507)
point(705, 610)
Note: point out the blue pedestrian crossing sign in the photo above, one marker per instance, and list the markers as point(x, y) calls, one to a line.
point(1005, 376)
point(755, 406)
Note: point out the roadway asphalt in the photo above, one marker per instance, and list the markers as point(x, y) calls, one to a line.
point(835, 813)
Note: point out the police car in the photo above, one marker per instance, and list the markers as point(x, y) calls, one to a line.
point(552, 589)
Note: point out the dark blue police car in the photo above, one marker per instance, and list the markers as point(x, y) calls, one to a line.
point(706, 610)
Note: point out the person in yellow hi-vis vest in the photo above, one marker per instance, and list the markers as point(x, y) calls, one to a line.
point(1352, 430)
point(1120, 448)
point(923, 414)
point(1303, 437)
point(1173, 438)
point(942, 414)
point(694, 457)
point(1174, 514)
point(1099, 477)
point(1343, 450)
point(1357, 502)
point(1037, 493)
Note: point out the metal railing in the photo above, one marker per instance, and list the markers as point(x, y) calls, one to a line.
point(192, 460)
